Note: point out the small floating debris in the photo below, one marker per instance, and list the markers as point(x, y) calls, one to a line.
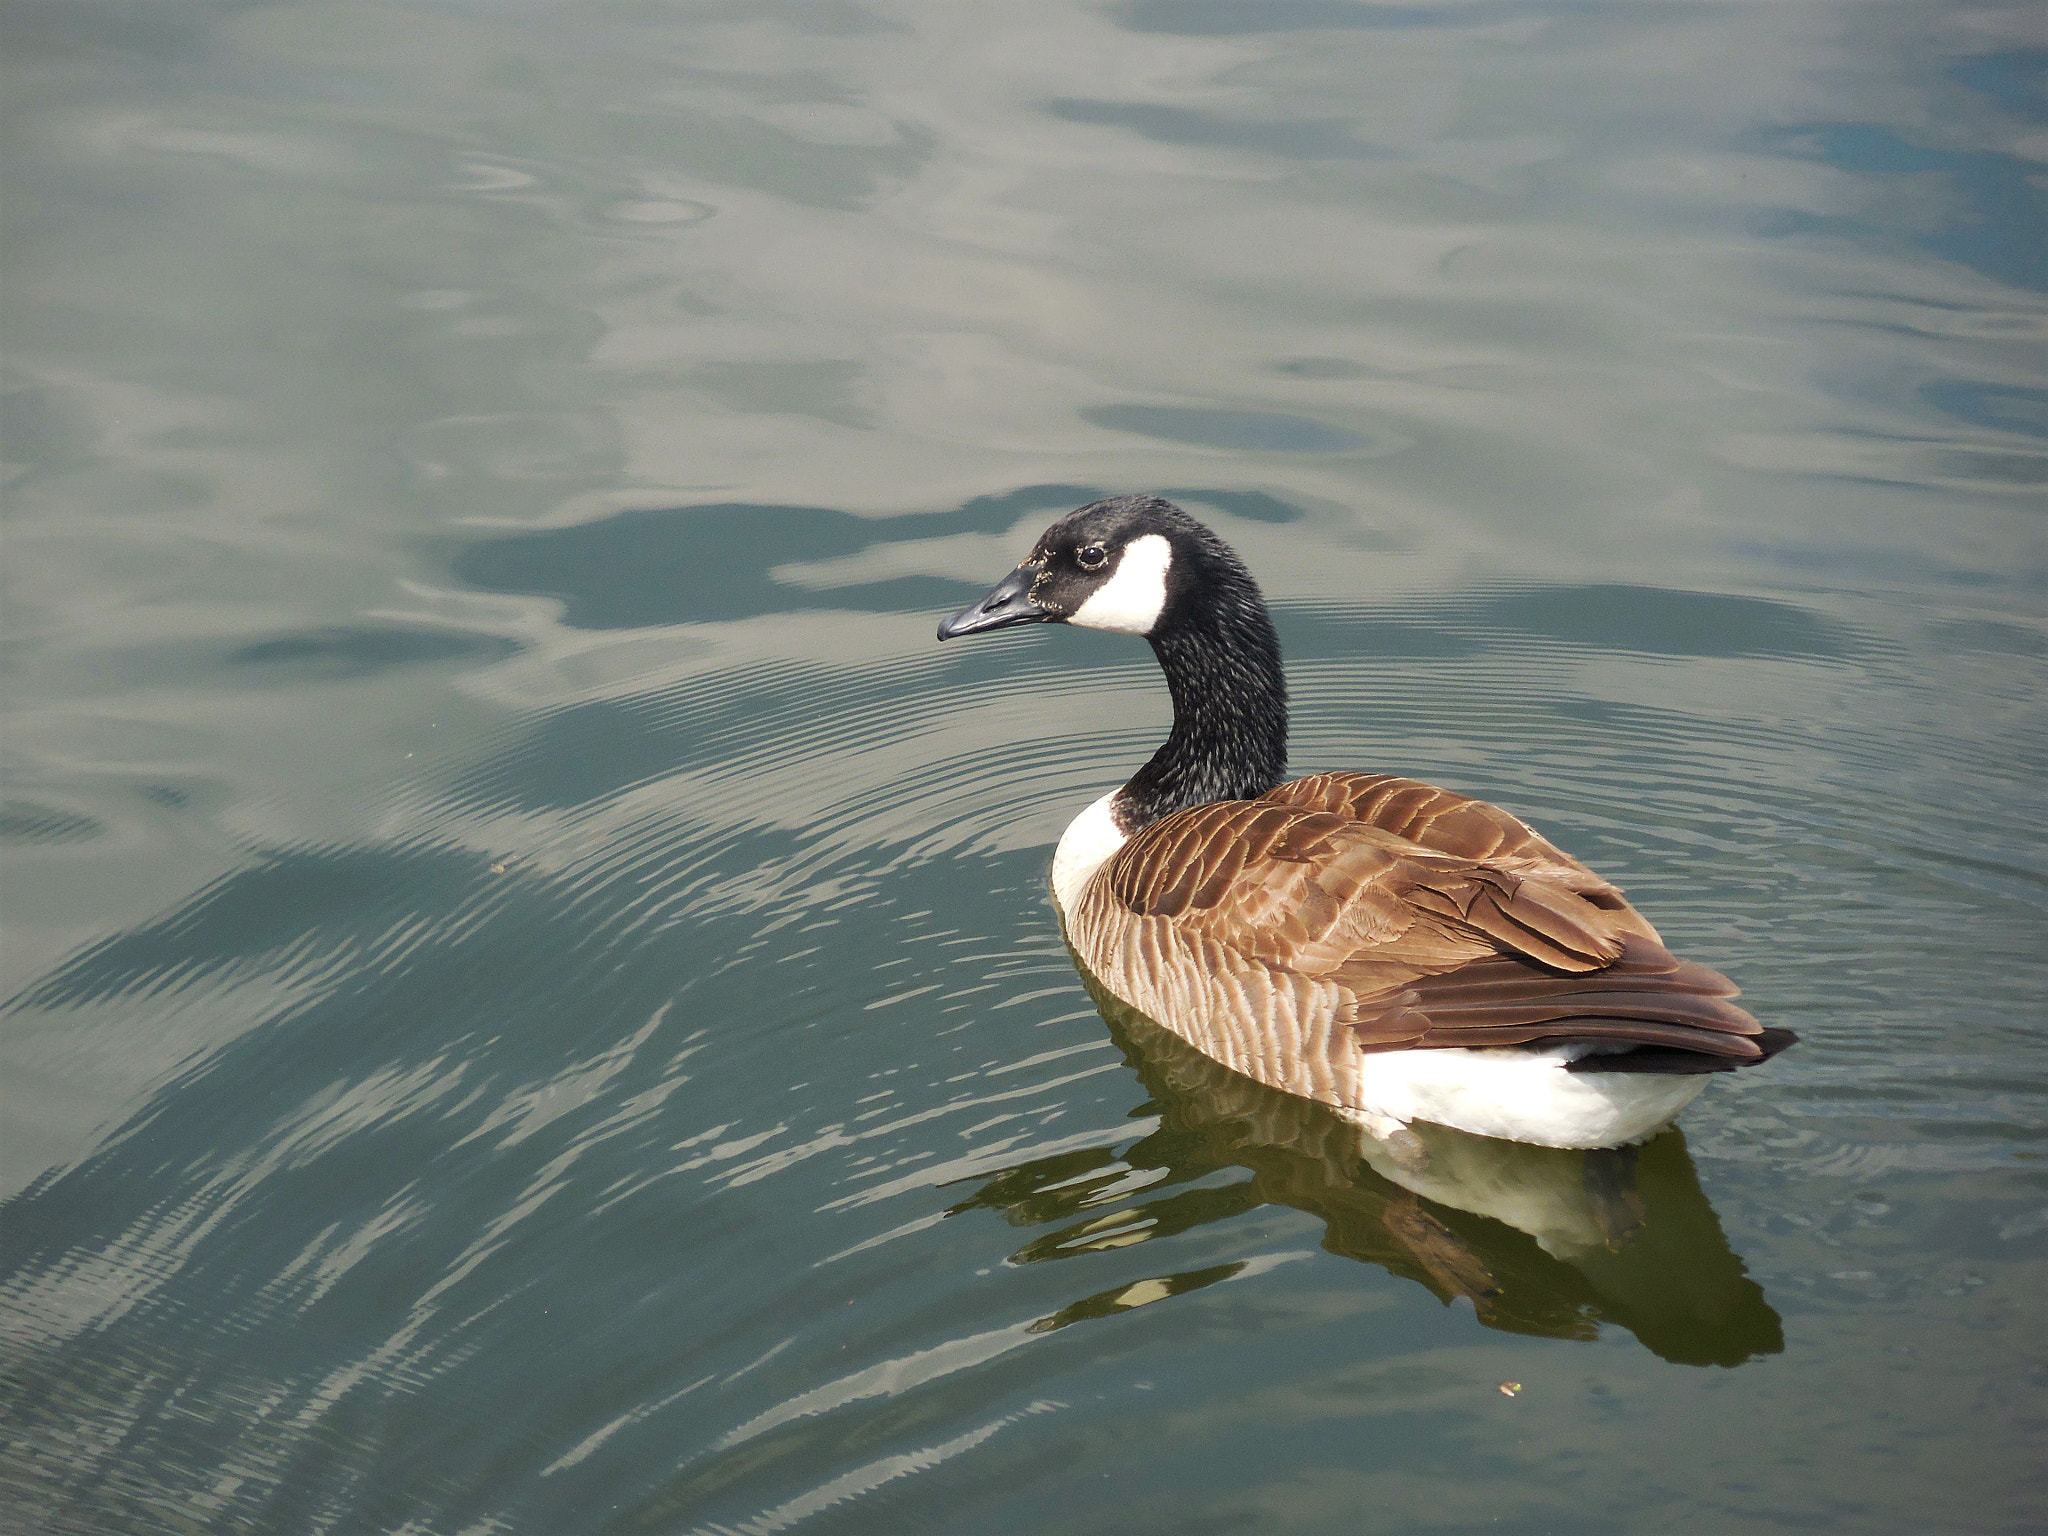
point(1510, 1388)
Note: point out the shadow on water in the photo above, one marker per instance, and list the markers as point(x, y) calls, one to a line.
point(1541, 1241)
point(342, 651)
point(1997, 199)
point(678, 565)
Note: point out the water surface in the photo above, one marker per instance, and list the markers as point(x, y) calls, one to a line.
point(532, 1003)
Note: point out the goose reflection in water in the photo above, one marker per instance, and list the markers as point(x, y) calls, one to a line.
point(1540, 1240)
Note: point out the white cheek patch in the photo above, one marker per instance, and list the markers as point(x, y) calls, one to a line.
point(1129, 602)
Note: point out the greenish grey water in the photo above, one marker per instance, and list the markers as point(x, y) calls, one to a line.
point(532, 1004)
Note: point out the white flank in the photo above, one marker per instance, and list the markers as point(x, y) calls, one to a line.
point(1129, 602)
point(1090, 838)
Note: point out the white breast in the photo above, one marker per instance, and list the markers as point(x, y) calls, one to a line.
point(1085, 846)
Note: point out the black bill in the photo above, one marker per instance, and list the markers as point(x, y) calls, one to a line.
point(1010, 603)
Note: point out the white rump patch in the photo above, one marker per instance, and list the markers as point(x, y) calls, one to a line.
point(1520, 1094)
point(1129, 602)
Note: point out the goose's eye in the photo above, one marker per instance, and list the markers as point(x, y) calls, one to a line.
point(1091, 557)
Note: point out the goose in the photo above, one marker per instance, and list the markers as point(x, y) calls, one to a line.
point(1392, 949)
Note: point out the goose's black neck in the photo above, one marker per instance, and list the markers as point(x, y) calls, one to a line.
point(1217, 646)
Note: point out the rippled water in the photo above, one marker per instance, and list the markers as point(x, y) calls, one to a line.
point(533, 1003)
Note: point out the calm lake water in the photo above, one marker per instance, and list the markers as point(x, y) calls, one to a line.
point(532, 1000)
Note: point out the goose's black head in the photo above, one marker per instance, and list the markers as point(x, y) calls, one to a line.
point(1142, 566)
point(1134, 564)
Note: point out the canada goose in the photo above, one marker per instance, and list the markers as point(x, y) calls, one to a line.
point(1384, 946)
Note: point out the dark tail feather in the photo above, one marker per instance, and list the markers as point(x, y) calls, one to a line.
point(1673, 1063)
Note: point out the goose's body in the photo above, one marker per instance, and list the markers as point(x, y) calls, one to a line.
point(1390, 948)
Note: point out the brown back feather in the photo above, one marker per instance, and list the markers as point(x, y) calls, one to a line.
point(1444, 921)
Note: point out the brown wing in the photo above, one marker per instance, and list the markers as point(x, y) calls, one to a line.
point(1429, 948)
point(1455, 824)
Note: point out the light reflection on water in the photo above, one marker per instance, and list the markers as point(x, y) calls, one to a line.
point(533, 1002)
